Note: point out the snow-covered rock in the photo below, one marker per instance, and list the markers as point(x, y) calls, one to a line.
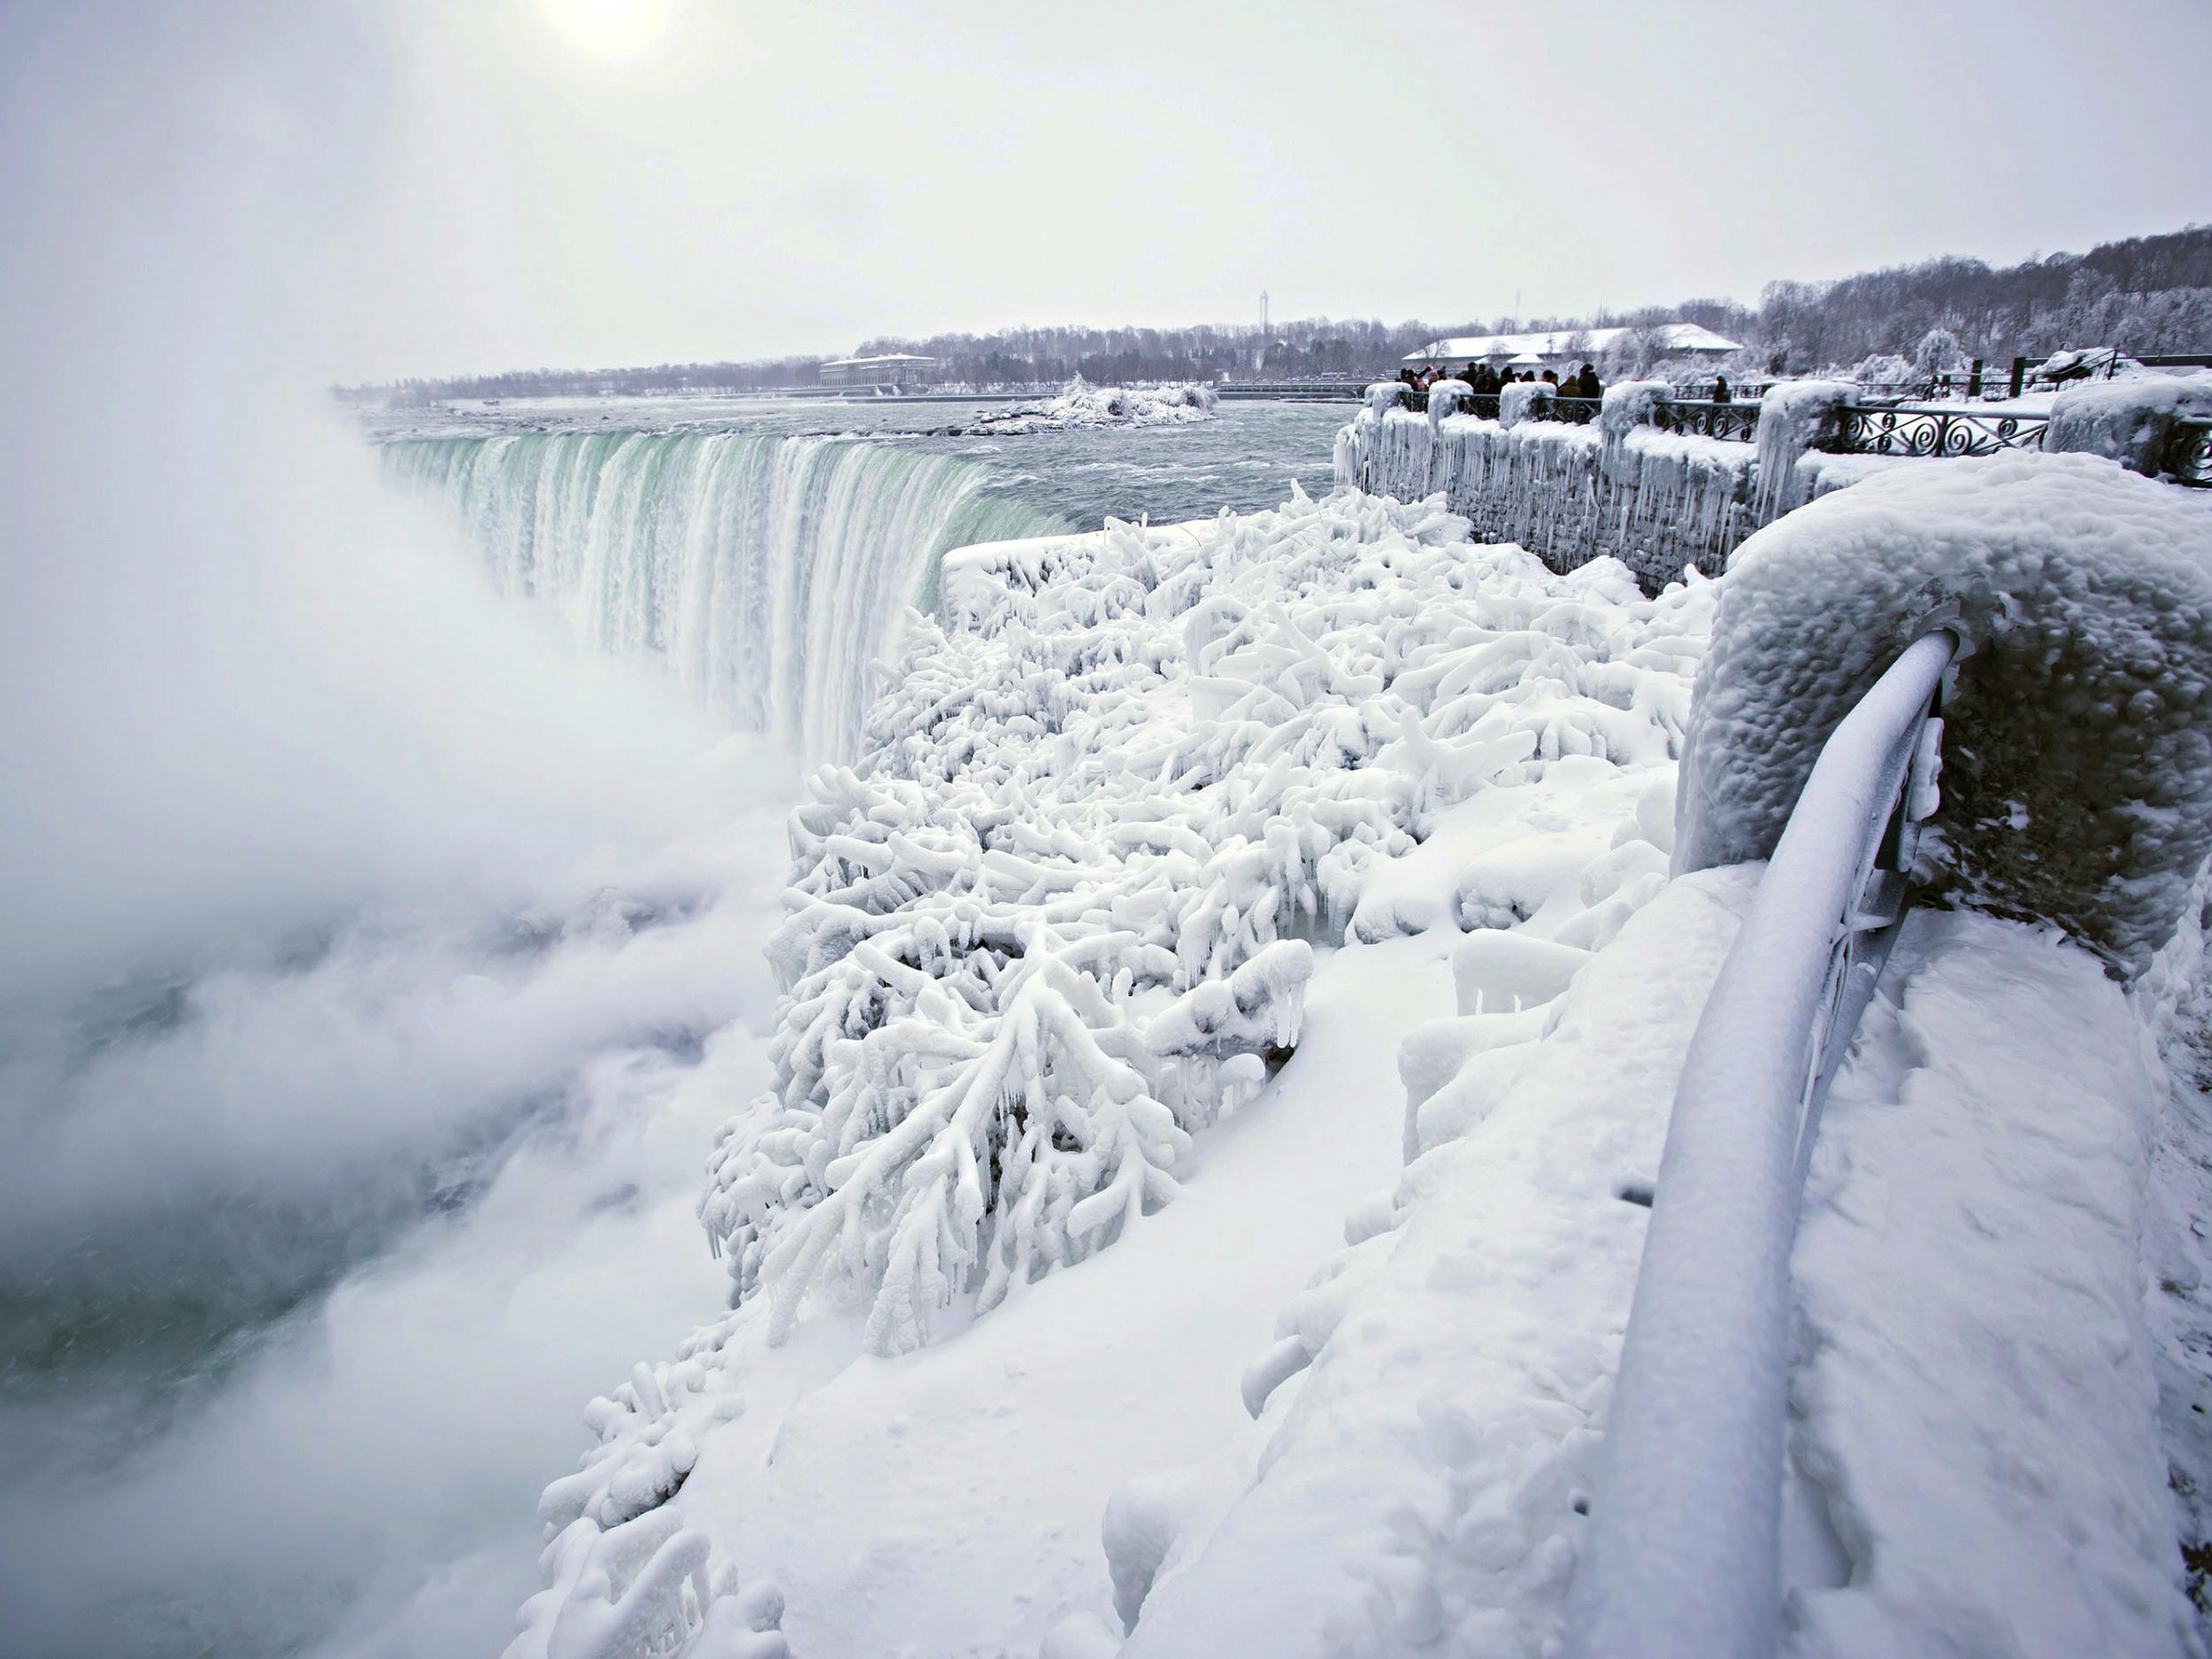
point(2078, 752)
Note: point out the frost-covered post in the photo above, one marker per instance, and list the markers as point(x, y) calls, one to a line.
point(2132, 421)
point(1794, 416)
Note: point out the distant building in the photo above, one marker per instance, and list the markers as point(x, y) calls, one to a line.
point(1674, 339)
point(891, 369)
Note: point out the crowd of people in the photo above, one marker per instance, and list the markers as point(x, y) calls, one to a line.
point(1579, 382)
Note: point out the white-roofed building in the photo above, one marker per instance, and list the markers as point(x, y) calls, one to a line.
point(894, 368)
point(1672, 340)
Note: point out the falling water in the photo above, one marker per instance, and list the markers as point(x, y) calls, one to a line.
point(768, 572)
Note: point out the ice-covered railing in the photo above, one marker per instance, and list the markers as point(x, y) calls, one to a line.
point(1684, 1556)
point(2077, 739)
point(1661, 484)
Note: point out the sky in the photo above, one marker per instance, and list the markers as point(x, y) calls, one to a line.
point(475, 185)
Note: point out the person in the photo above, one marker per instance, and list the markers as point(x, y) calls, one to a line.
point(1472, 376)
point(1586, 382)
point(1721, 394)
point(1407, 376)
point(1551, 377)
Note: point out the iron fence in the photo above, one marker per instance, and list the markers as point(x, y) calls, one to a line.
point(1924, 429)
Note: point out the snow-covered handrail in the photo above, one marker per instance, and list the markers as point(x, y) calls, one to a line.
point(1684, 1558)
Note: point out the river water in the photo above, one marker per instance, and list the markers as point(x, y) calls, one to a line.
point(320, 1227)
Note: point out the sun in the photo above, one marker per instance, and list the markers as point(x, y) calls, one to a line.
point(609, 28)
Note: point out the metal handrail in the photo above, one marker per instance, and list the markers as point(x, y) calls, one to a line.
point(1684, 1556)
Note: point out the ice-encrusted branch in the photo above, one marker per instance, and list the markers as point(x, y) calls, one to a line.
point(1057, 916)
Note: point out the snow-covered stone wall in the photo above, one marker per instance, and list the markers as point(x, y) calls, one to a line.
point(2077, 751)
point(1658, 501)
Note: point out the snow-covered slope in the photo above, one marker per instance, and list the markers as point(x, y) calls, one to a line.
point(1234, 1007)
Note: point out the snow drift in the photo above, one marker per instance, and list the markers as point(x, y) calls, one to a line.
point(2077, 751)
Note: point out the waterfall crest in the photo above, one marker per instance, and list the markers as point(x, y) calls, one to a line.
point(766, 571)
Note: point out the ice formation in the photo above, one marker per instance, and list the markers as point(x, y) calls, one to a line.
point(2129, 421)
point(1628, 404)
point(1794, 418)
point(2078, 752)
point(1055, 920)
point(1083, 408)
point(1525, 400)
point(1062, 914)
point(1660, 502)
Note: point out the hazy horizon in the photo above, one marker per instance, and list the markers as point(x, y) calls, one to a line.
point(557, 182)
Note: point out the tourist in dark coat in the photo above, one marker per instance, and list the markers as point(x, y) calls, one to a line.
point(1721, 394)
point(1586, 382)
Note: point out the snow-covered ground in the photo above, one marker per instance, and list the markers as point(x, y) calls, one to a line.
point(1119, 1267)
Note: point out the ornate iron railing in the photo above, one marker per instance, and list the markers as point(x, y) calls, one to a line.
point(1922, 429)
point(2188, 458)
point(1704, 419)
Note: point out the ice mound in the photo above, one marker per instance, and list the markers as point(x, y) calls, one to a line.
point(1085, 408)
point(1056, 919)
point(2078, 753)
point(2130, 420)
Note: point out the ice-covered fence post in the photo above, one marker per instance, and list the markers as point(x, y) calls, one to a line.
point(1794, 416)
point(1684, 1559)
point(2132, 421)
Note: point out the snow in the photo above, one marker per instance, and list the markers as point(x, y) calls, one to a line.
point(2127, 420)
point(1421, 1485)
point(1628, 404)
point(1096, 826)
point(1525, 400)
point(1792, 417)
point(1086, 408)
point(2087, 592)
point(1185, 839)
point(1661, 502)
point(1974, 1392)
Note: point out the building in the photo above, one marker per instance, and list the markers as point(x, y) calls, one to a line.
point(1551, 351)
point(891, 369)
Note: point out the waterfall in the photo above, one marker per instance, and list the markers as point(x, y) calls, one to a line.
point(767, 571)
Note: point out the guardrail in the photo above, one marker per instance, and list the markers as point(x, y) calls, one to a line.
point(1932, 429)
point(1684, 1556)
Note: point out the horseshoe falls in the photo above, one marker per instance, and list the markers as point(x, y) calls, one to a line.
point(766, 571)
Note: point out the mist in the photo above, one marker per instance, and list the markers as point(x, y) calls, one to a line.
point(374, 959)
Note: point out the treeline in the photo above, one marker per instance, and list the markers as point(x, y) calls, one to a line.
point(658, 377)
point(2147, 295)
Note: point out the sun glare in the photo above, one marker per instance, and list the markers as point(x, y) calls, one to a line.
point(609, 28)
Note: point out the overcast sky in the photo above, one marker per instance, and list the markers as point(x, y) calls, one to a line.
point(482, 184)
